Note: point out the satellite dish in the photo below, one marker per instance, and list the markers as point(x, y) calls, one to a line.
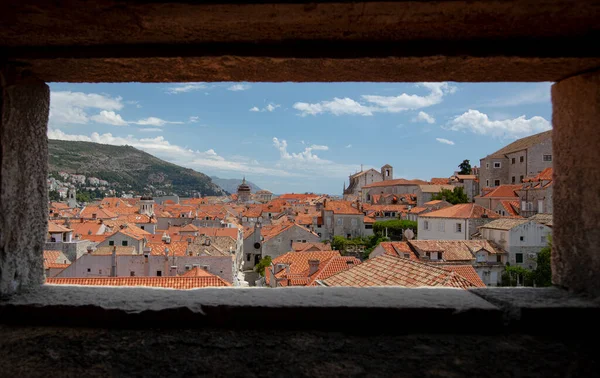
point(409, 234)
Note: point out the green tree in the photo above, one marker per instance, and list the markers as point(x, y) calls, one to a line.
point(339, 243)
point(394, 228)
point(514, 275)
point(262, 265)
point(83, 197)
point(542, 275)
point(455, 196)
point(465, 168)
point(53, 195)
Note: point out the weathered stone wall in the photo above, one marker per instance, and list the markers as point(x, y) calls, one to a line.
point(576, 121)
point(489, 175)
point(535, 157)
point(24, 107)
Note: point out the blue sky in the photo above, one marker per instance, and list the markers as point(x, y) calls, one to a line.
point(298, 137)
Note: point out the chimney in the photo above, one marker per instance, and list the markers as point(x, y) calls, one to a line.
point(90, 249)
point(313, 266)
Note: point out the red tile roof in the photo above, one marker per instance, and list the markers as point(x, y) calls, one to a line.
point(511, 207)
point(394, 182)
point(178, 248)
point(522, 144)
point(545, 175)
point(86, 228)
point(342, 207)
point(55, 260)
point(330, 262)
point(453, 250)
point(56, 228)
point(387, 270)
point(197, 272)
point(462, 211)
point(398, 249)
point(297, 196)
point(309, 247)
point(466, 271)
point(180, 283)
point(439, 181)
point(504, 191)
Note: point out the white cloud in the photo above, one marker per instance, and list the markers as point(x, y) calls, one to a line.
point(154, 121)
point(424, 117)
point(184, 88)
point(193, 119)
point(109, 117)
point(238, 87)
point(338, 106)
point(136, 103)
point(349, 146)
point(375, 103)
point(536, 94)
point(479, 123)
point(319, 147)
point(70, 107)
point(269, 108)
point(160, 147)
point(445, 141)
point(309, 163)
point(150, 130)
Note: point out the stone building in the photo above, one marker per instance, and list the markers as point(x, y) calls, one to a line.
point(513, 163)
point(458, 222)
point(263, 196)
point(535, 196)
point(523, 239)
point(358, 180)
point(370, 193)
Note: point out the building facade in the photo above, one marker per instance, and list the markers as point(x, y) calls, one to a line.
point(513, 163)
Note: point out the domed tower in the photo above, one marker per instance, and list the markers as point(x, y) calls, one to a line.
point(244, 192)
point(387, 172)
point(147, 205)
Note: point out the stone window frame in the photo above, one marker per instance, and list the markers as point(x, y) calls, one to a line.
point(571, 80)
point(497, 164)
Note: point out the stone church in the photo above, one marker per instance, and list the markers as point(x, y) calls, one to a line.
point(362, 178)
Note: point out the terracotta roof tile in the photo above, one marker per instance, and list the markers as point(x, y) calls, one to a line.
point(453, 250)
point(511, 207)
point(309, 247)
point(387, 270)
point(394, 182)
point(545, 175)
point(55, 228)
point(522, 144)
point(399, 249)
point(342, 207)
point(467, 272)
point(197, 272)
point(330, 262)
point(439, 181)
point(180, 283)
point(504, 191)
point(462, 211)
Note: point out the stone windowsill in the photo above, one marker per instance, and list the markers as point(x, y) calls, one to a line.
point(373, 309)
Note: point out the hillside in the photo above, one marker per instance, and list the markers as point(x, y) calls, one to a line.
point(231, 185)
point(131, 168)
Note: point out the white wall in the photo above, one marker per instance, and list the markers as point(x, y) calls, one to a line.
point(446, 232)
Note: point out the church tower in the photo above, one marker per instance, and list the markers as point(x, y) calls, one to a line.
point(72, 198)
point(387, 172)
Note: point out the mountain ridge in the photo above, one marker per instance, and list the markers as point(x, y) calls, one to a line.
point(131, 168)
point(231, 185)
